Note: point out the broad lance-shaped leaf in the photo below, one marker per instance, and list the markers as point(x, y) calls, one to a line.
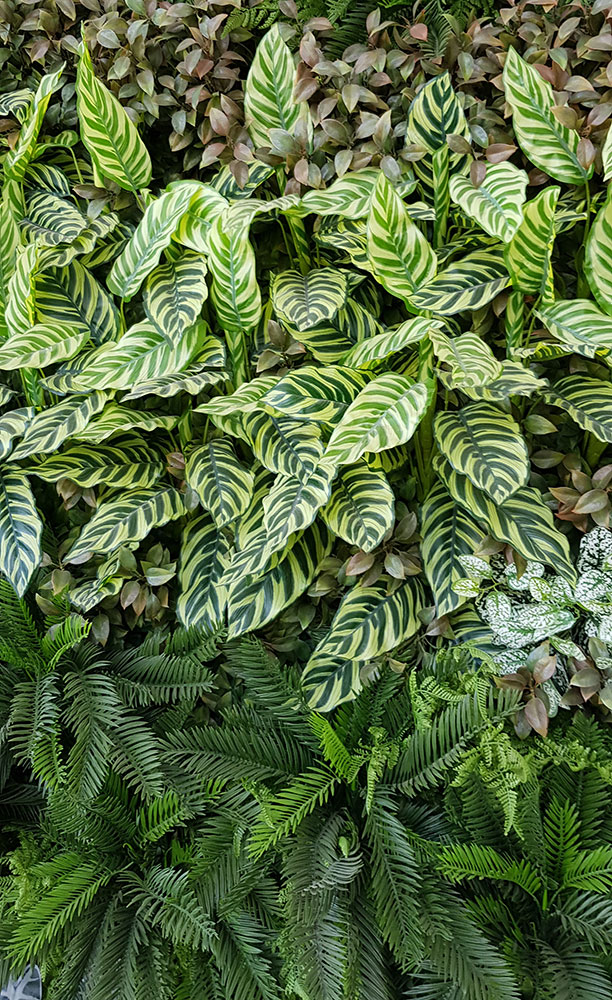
point(9, 241)
point(17, 159)
point(254, 601)
point(174, 293)
point(522, 521)
point(496, 203)
point(485, 444)
point(110, 137)
point(467, 284)
point(580, 324)
point(448, 532)
point(361, 509)
point(206, 369)
point(292, 505)
point(401, 257)
point(348, 196)
point(20, 311)
point(308, 300)
point(528, 254)
point(386, 413)
point(435, 113)
point(285, 446)
point(329, 683)
point(13, 425)
point(553, 147)
point(152, 235)
point(143, 353)
point(116, 419)
point(20, 530)
point(598, 257)
point(235, 290)
point(50, 428)
point(588, 402)
point(371, 621)
point(204, 558)
point(52, 220)
point(194, 227)
point(268, 93)
point(330, 341)
point(470, 361)
point(382, 345)
point(45, 344)
point(222, 484)
point(71, 297)
point(245, 399)
point(513, 380)
point(124, 463)
point(319, 394)
point(126, 520)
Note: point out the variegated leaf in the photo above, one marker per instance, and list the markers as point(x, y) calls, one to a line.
point(71, 296)
point(588, 402)
point(497, 202)
point(466, 285)
point(470, 361)
point(401, 257)
point(43, 345)
point(124, 463)
point(126, 520)
point(50, 428)
point(284, 446)
point(448, 534)
point(318, 394)
point(20, 530)
point(204, 558)
point(392, 341)
point(305, 301)
point(174, 293)
point(528, 254)
point(222, 484)
point(361, 509)
point(268, 95)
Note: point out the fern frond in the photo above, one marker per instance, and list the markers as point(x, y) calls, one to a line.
point(588, 915)
point(345, 764)
point(285, 811)
point(589, 870)
point(571, 975)
point(166, 900)
point(243, 966)
point(460, 862)
point(137, 755)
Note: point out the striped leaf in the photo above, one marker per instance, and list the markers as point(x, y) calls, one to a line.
point(522, 521)
point(318, 394)
point(20, 311)
point(598, 257)
point(588, 402)
point(528, 254)
point(606, 156)
point(20, 530)
point(13, 425)
point(496, 204)
point(268, 93)
point(226, 184)
point(470, 361)
point(579, 324)
point(330, 342)
point(251, 521)
point(305, 301)
point(9, 241)
point(117, 152)
point(202, 373)
point(16, 104)
point(174, 293)
point(484, 443)
point(468, 284)
point(50, 428)
point(448, 532)
point(116, 419)
point(17, 159)
point(254, 601)
point(152, 235)
point(223, 485)
point(204, 558)
point(43, 345)
point(513, 380)
point(435, 113)
point(330, 683)
point(401, 257)
point(126, 463)
point(371, 621)
point(392, 341)
point(142, 354)
point(126, 520)
point(386, 413)
point(284, 446)
point(71, 296)
point(348, 196)
point(245, 399)
point(361, 509)
point(545, 141)
point(292, 505)
point(235, 291)
point(52, 220)
point(204, 208)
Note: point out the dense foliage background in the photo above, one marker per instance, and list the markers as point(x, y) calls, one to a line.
point(306, 615)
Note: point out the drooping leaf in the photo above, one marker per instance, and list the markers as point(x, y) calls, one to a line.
point(174, 293)
point(17, 159)
point(268, 93)
point(245, 399)
point(43, 345)
point(223, 485)
point(362, 506)
point(329, 683)
point(20, 530)
point(204, 558)
point(292, 505)
point(587, 400)
point(469, 359)
point(126, 520)
point(308, 300)
point(382, 345)
point(348, 196)
point(528, 254)
point(13, 425)
point(116, 419)
point(318, 394)
point(124, 463)
point(205, 207)
point(579, 324)
point(400, 255)
point(50, 428)
point(466, 285)
point(598, 257)
point(448, 532)
point(71, 296)
point(9, 241)
point(52, 220)
point(330, 341)
point(496, 204)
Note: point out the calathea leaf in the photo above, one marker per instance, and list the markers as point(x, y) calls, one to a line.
point(12, 425)
point(496, 204)
point(254, 601)
point(126, 520)
point(305, 301)
point(362, 507)
point(598, 257)
point(371, 621)
point(468, 284)
point(20, 311)
point(71, 296)
point(50, 428)
point(348, 196)
point(470, 361)
point(223, 485)
point(20, 530)
point(285, 446)
point(124, 463)
point(226, 184)
point(513, 380)
point(110, 137)
point(174, 293)
point(400, 255)
point(52, 220)
point(435, 113)
point(44, 344)
point(318, 394)
point(204, 208)
point(292, 505)
point(381, 346)
point(251, 521)
point(528, 254)
point(17, 159)
point(9, 241)
point(205, 370)
point(448, 532)
point(152, 235)
point(204, 558)
point(330, 342)
point(386, 413)
point(545, 141)
point(579, 324)
point(484, 443)
point(588, 402)
point(330, 683)
point(116, 419)
point(268, 94)
point(522, 521)
point(245, 399)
